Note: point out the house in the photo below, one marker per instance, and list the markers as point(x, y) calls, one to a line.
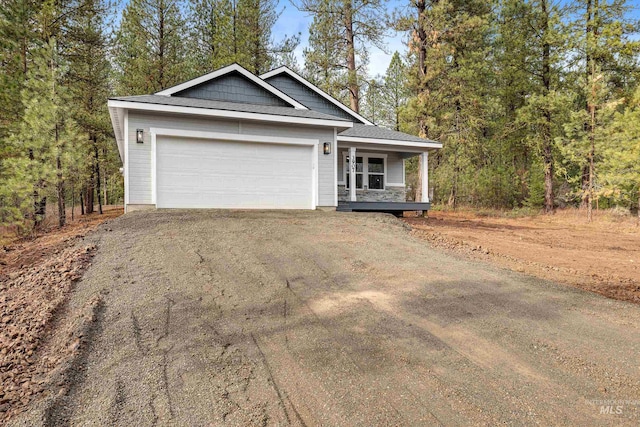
point(233, 140)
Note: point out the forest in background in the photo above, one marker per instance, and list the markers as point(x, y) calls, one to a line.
point(536, 102)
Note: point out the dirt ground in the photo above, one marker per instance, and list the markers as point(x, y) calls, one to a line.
point(38, 336)
point(316, 318)
point(19, 253)
point(602, 257)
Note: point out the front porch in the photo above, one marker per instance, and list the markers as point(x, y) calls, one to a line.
point(376, 181)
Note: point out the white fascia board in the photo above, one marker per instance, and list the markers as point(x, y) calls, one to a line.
point(130, 105)
point(229, 69)
point(317, 90)
point(231, 136)
point(378, 147)
point(117, 130)
point(412, 144)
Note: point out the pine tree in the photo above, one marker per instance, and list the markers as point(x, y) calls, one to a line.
point(150, 49)
point(45, 134)
point(347, 28)
point(211, 31)
point(450, 80)
point(254, 21)
point(395, 92)
point(18, 36)
point(88, 80)
point(620, 167)
point(373, 100)
point(603, 39)
point(323, 57)
point(425, 22)
point(543, 44)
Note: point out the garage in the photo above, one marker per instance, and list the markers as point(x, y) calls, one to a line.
point(233, 174)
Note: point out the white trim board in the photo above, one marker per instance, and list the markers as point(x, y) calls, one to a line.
point(227, 114)
point(317, 90)
point(232, 136)
point(314, 176)
point(334, 147)
point(424, 145)
point(245, 73)
point(126, 159)
point(393, 149)
point(220, 136)
point(154, 181)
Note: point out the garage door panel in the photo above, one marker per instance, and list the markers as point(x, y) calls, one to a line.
point(223, 174)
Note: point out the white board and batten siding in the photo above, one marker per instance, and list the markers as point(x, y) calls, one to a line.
point(282, 156)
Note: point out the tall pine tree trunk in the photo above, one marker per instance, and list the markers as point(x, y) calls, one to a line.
point(89, 192)
point(39, 207)
point(62, 214)
point(82, 201)
point(73, 201)
point(592, 143)
point(105, 182)
point(97, 169)
point(421, 33)
point(352, 77)
point(161, 77)
point(547, 151)
point(591, 38)
point(39, 202)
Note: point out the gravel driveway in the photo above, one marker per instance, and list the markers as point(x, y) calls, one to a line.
point(315, 318)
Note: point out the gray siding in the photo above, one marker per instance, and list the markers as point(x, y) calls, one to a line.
point(394, 164)
point(139, 155)
point(307, 97)
point(235, 88)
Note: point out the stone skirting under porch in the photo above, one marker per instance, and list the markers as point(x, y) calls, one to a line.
point(389, 194)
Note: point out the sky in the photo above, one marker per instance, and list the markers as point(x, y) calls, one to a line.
point(292, 21)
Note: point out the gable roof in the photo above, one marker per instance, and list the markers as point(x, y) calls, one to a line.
point(230, 69)
point(234, 87)
point(317, 90)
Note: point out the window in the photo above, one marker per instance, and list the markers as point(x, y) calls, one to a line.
point(370, 171)
point(359, 172)
point(375, 170)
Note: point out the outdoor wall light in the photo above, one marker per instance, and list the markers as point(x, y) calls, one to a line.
point(139, 136)
point(326, 148)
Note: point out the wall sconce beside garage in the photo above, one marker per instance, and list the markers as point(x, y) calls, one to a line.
point(326, 148)
point(139, 136)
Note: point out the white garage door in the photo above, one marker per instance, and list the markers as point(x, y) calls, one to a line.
point(198, 173)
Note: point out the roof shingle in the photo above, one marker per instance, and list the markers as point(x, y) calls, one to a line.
point(377, 132)
point(228, 106)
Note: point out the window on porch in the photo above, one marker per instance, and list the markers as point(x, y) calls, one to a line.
point(375, 169)
point(370, 171)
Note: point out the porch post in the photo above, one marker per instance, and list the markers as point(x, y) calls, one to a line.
point(352, 174)
point(425, 176)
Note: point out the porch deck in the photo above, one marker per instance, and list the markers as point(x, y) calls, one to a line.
point(395, 208)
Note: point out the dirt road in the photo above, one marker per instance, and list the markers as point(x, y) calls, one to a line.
point(312, 318)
